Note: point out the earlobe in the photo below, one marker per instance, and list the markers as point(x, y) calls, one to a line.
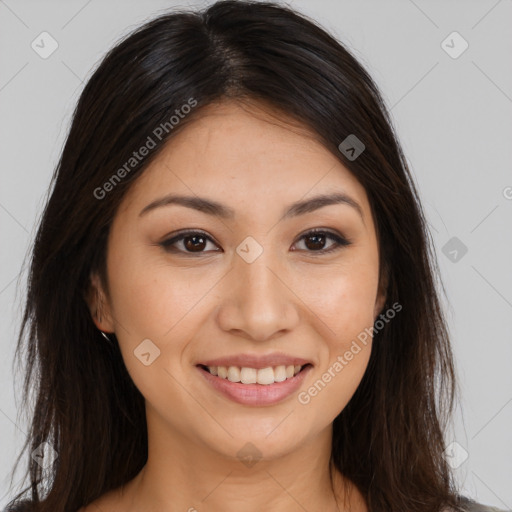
point(381, 296)
point(98, 306)
point(379, 306)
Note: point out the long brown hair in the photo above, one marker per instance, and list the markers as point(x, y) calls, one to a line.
point(389, 438)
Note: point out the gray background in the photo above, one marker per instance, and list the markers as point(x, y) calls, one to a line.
point(454, 119)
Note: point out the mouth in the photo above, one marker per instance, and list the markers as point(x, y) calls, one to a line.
point(255, 386)
point(261, 376)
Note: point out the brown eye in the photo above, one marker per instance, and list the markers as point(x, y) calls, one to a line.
point(192, 242)
point(315, 241)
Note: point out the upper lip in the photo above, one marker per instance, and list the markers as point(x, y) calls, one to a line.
point(256, 361)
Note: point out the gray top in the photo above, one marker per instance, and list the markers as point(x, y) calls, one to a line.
point(473, 506)
point(468, 504)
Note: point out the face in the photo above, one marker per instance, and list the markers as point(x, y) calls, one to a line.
point(248, 282)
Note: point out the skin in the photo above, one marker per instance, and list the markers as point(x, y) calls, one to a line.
point(197, 306)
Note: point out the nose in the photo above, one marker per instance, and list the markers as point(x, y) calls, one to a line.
point(256, 301)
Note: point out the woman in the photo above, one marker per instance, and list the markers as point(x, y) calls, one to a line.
point(231, 302)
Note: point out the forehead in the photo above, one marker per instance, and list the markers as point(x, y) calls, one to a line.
point(247, 156)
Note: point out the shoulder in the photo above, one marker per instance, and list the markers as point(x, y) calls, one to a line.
point(472, 506)
point(27, 506)
point(22, 506)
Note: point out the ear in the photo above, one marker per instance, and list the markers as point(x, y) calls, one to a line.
point(381, 294)
point(98, 305)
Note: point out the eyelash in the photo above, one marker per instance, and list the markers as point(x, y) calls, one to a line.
point(339, 241)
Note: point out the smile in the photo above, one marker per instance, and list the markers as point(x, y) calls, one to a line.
point(257, 387)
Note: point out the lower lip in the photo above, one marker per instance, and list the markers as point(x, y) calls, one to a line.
point(256, 394)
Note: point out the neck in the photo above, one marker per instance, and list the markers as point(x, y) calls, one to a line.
point(181, 474)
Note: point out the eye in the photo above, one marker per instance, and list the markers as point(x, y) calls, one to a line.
point(316, 239)
point(195, 242)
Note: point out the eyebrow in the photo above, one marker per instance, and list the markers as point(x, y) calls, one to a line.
point(216, 209)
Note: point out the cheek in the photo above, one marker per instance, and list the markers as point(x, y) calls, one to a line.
point(342, 296)
point(152, 303)
point(335, 384)
point(346, 308)
point(343, 303)
point(149, 297)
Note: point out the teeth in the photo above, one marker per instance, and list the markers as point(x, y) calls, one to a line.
point(234, 374)
point(279, 373)
point(264, 376)
point(248, 375)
